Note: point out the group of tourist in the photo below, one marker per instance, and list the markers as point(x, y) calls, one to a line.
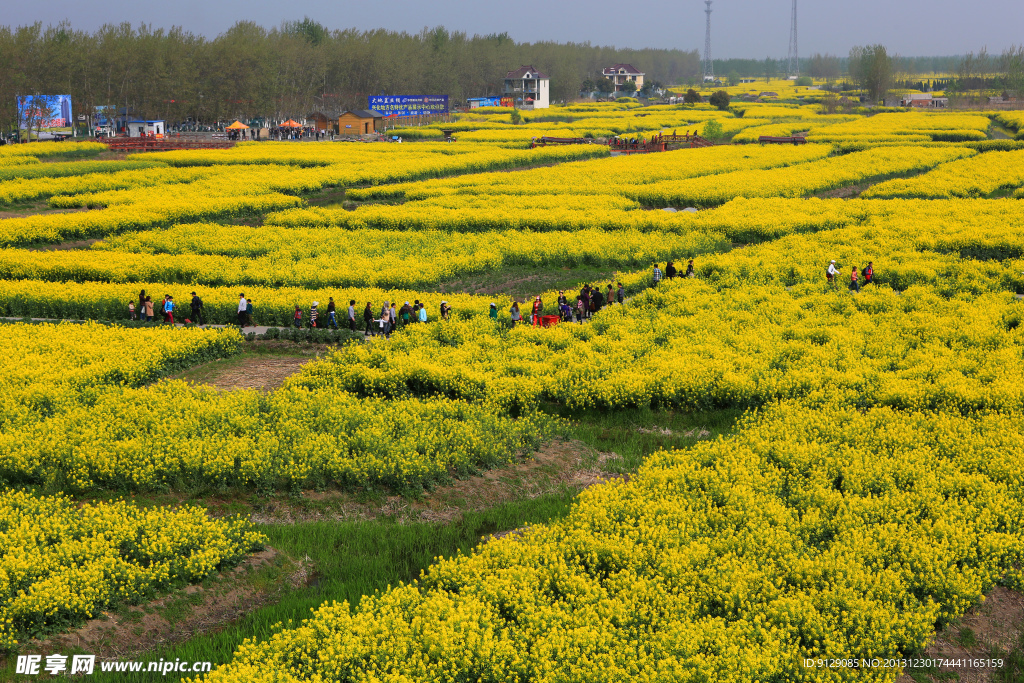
point(671, 272)
point(865, 275)
point(589, 301)
point(146, 310)
point(391, 317)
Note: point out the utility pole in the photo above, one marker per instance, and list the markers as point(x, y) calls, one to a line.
point(793, 68)
point(709, 66)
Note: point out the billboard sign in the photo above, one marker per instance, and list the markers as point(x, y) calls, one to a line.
point(475, 102)
point(44, 111)
point(409, 105)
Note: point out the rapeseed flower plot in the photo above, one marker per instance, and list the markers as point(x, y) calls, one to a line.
point(317, 258)
point(807, 534)
point(977, 176)
point(61, 562)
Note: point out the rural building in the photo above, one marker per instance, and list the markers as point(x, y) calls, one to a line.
point(528, 88)
point(139, 129)
point(325, 119)
point(359, 122)
point(923, 100)
point(625, 77)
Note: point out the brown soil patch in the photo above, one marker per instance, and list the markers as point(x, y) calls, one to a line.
point(175, 618)
point(38, 212)
point(989, 630)
point(261, 373)
point(67, 246)
point(558, 464)
point(847, 192)
point(248, 371)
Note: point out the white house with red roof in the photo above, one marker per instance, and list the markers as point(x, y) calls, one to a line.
point(625, 77)
point(528, 88)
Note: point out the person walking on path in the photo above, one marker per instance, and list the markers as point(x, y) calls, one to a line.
point(393, 317)
point(656, 276)
point(581, 309)
point(352, 315)
point(141, 308)
point(147, 306)
point(297, 317)
point(332, 313)
point(249, 310)
point(445, 310)
point(169, 309)
point(423, 313)
point(868, 273)
point(689, 269)
point(620, 295)
point(368, 318)
point(538, 310)
point(566, 311)
point(670, 270)
point(197, 309)
point(831, 272)
point(242, 308)
point(517, 316)
point(131, 310)
point(609, 298)
point(854, 284)
point(385, 319)
point(598, 299)
point(314, 313)
point(493, 313)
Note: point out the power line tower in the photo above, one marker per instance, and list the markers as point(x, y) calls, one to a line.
point(709, 66)
point(793, 68)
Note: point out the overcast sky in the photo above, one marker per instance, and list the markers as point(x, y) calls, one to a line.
point(740, 28)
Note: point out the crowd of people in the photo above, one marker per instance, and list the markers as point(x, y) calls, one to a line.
point(588, 301)
point(390, 317)
point(146, 310)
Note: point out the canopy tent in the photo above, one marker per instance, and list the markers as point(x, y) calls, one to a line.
point(290, 124)
point(237, 125)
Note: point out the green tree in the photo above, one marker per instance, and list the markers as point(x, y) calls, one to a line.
point(720, 99)
point(713, 130)
point(824, 66)
point(691, 97)
point(734, 78)
point(871, 68)
point(769, 68)
point(1011, 64)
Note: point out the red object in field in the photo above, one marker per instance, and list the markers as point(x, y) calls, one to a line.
point(549, 320)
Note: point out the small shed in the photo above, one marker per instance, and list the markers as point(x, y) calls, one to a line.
point(359, 122)
point(145, 129)
point(324, 119)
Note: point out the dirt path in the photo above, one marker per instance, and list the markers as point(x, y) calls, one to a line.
point(248, 371)
point(128, 632)
point(989, 630)
point(558, 464)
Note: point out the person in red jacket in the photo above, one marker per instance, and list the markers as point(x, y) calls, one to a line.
point(868, 273)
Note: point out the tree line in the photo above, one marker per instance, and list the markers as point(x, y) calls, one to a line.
point(288, 71)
